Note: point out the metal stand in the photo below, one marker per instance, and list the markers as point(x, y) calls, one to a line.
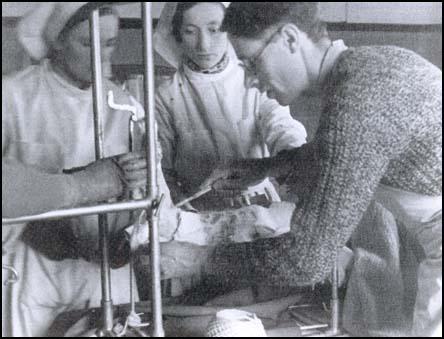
point(98, 102)
point(334, 326)
point(151, 155)
point(149, 203)
point(312, 326)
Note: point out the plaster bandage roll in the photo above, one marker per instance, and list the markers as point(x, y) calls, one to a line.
point(235, 323)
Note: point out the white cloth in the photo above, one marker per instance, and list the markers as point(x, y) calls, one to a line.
point(410, 208)
point(206, 118)
point(48, 123)
point(395, 285)
point(422, 217)
point(42, 25)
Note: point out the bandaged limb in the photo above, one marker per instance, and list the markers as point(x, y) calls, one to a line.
point(207, 228)
point(234, 226)
point(179, 228)
point(214, 228)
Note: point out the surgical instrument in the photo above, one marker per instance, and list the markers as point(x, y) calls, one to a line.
point(194, 196)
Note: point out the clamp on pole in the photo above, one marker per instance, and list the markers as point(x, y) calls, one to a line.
point(15, 276)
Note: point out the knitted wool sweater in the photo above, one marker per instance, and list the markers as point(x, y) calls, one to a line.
point(381, 123)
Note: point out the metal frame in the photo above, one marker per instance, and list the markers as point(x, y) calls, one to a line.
point(149, 203)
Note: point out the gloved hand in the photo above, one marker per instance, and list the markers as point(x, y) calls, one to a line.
point(99, 181)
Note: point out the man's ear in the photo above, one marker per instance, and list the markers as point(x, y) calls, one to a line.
point(291, 37)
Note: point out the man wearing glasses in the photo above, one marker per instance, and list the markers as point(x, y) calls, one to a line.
point(379, 141)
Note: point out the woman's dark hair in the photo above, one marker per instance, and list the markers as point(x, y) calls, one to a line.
point(182, 7)
point(251, 19)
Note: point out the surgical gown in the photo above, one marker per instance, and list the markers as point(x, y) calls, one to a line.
point(207, 118)
point(48, 124)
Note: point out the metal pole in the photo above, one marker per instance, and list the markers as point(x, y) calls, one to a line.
point(96, 62)
point(151, 149)
point(82, 211)
point(334, 301)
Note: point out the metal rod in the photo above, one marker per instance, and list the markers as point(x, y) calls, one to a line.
point(149, 99)
point(194, 196)
point(334, 301)
point(133, 216)
point(151, 149)
point(82, 211)
point(98, 101)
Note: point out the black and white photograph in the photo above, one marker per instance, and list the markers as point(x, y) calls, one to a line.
point(221, 169)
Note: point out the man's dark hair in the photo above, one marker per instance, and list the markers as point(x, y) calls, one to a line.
point(252, 19)
point(182, 7)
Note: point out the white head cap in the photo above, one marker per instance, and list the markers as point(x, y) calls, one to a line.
point(165, 43)
point(41, 26)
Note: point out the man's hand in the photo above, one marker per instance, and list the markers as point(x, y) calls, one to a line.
point(134, 169)
point(99, 181)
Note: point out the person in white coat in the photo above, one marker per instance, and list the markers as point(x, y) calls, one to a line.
point(47, 126)
point(206, 114)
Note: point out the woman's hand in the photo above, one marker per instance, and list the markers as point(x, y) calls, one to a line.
point(237, 175)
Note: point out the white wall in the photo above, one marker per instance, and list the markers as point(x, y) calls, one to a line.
point(17, 9)
point(352, 12)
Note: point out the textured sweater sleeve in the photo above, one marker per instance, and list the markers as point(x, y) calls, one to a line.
point(357, 138)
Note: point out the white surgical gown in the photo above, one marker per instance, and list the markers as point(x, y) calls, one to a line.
point(207, 118)
point(48, 123)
